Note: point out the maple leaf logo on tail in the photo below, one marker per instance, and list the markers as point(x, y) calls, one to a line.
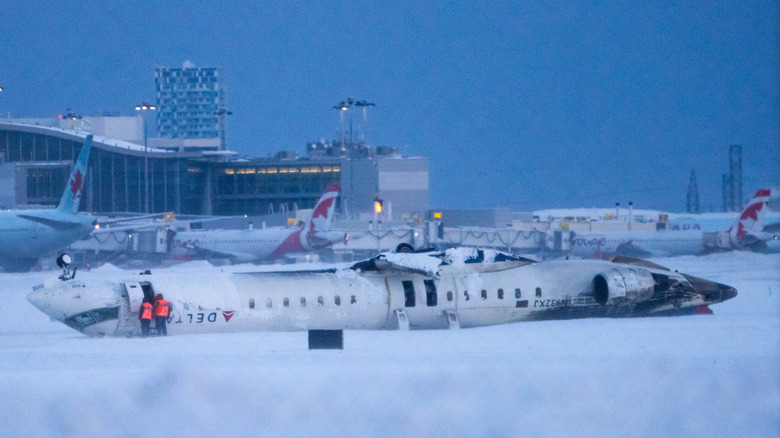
point(71, 196)
point(76, 184)
point(752, 218)
point(323, 211)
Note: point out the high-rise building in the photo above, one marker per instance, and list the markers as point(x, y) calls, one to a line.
point(189, 100)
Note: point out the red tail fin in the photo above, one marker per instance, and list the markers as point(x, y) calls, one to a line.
point(322, 215)
point(752, 218)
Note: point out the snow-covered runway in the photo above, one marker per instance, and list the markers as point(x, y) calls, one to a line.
point(716, 375)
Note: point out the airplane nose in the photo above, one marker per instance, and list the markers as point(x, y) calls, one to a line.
point(726, 292)
point(39, 299)
point(713, 292)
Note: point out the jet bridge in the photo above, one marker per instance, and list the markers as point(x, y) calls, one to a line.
point(505, 239)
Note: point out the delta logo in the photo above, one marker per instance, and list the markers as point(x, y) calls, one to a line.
point(228, 314)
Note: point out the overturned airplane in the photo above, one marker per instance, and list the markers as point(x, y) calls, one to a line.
point(460, 287)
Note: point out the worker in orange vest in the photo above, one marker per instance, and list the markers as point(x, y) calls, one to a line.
point(145, 315)
point(162, 309)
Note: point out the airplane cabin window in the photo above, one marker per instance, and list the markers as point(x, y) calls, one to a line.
point(466, 295)
point(337, 300)
point(268, 303)
point(352, 299)
point(483, 294)
point(500, 294)
point(517, 293)
point(303, 301)
point(409, 300)
point(286, 302)
point(431, 298)
point(449, 295)
point(320, 301)
point(251, 304)
point(538, 292)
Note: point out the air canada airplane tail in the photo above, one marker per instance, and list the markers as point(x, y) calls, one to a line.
point(71, 197)
point(315, 233)
point(26, 235)
point(322, 215)
point(751, 222)
point(265, 244)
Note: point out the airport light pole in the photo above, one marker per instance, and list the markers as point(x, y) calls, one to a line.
point(142, 109)
point(364, 104)
point(1, 90)
point(345, 105)
point(341, 107)
point(222, 113)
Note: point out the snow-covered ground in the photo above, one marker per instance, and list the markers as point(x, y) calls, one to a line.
point(715, 375)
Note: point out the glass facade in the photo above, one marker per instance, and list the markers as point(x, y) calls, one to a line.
point(121, 181)
point(266, 188)
point(17, 146)
point(44, 184)
point(182, 183)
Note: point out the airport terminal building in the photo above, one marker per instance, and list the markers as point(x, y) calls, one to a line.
point(188, 177)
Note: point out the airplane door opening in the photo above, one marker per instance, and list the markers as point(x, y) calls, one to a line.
point(409, 299)
point(431, 299)
point(148, 290)
point(131, 294)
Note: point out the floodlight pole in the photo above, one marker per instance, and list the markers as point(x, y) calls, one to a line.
point(142, 108)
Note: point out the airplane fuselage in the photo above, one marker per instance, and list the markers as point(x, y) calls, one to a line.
point(745, 232)
point(27, 235)
point(50, 231)
point(241, 245)
point(639, 243)
point(250, 245)
point(366, 297)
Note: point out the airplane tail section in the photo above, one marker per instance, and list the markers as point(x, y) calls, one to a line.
point(71, 197)
point(751, 221)
point(314, 234)
point(322, 215)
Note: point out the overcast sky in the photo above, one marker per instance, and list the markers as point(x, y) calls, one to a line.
point(525, 105)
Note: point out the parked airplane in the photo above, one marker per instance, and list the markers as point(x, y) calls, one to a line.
point(27, 235)
point(745, 233)
point(461, 287)
point(252, 245)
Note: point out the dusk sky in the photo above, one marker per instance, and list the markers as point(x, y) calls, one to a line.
point(525, 105)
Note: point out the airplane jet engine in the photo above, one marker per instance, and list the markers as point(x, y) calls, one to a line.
point(631, 285)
